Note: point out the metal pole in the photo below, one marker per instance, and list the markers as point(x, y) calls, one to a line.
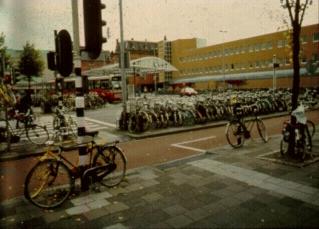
point(223, 60)
point(79, 100)
point(124, 91)
point(274, 73)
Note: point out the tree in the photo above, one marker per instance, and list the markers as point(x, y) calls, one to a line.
point(296, 10)
point(3, 53)
point(30, 63)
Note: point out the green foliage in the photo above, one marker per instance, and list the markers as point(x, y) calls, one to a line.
point(3, 50)
point(30, 63)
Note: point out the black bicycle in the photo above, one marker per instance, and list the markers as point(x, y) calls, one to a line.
point(303, 131)
point(51, 181)
point(240, 128)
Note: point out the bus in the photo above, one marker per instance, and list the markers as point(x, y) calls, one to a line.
point(107, 87)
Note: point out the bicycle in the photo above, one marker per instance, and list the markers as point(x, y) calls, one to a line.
point(238, 129)
point(51, 181)
point(35, 133)
point(303, 134)
point(63, 125)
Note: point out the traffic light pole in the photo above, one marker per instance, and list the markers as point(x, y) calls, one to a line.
point(79, 101)
point(123, 76)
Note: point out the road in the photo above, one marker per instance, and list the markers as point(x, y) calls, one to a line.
point(141, 152)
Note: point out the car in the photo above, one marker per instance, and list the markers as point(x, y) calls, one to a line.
point(188, 91)
point(110, 96)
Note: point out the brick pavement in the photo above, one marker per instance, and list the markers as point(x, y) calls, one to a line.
point(223, 188)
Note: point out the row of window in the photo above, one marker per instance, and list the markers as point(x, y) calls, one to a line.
point(244, 49)
point(259, 64)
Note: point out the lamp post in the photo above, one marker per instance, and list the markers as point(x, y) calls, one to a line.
point(223, 60)
point(274, 79)
point(124, 89)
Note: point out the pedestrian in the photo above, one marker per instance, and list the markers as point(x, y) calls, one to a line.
point(23, 107)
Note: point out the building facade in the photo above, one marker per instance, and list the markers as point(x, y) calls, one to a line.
point(244, 63)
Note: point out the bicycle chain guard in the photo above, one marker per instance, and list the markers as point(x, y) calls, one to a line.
point(92, 174)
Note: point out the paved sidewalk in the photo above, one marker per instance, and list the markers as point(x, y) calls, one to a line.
point(223, 188)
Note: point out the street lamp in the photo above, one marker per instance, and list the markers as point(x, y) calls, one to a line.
point(275, 65)
point(223, 60)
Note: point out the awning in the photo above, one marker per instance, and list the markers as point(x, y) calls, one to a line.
point(141, 65)
point(241, 76)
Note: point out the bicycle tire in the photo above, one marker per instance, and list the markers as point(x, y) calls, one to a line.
point(110, 156)
point(235, 134)
point(262, 130)
point(37, 134)
point(311, 128)
point(48, 184)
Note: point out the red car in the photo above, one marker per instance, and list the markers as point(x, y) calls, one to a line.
point(108, 95)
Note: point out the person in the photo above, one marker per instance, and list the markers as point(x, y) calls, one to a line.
point(23, 106)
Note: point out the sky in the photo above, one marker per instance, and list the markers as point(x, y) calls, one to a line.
point(35, 20)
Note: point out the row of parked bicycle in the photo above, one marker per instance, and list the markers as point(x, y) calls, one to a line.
point(164, 111)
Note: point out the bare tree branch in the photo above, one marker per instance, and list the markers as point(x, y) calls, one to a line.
point(289, 7)
point(304, 10)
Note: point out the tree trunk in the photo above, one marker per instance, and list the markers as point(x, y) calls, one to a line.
point(296, 83)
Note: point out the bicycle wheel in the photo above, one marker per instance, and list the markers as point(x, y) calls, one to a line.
point(116, 161)
point(37, 134)
point(235, 134)
point(311, 128)
point(48, 184)
point(262, 130)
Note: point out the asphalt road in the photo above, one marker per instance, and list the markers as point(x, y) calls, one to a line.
point(142, 152)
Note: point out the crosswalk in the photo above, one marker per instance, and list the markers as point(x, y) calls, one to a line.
point(47, 121)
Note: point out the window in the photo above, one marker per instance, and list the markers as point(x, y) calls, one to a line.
point(315, 57)
point(280, 43)
point(316, 37)
point(263, 46)
point(257, 64)
point(304, 39)
point(303, 59)
point(251, 48)
point(257, 47)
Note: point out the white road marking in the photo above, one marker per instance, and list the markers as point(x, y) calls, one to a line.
point(181, 144)
point(190, 148)
point(100, 122)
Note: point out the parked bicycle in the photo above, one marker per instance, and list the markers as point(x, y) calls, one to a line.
point(63, 124)
point(239, 129)
point(303, 134)
point(51, 181)
point(35, 133)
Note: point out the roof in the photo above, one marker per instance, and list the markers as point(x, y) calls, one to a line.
point(144, 64)
point(240, 76)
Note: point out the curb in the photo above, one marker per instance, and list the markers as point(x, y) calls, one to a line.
point(174, 130)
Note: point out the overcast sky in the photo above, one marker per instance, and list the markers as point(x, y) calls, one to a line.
point(35, 20)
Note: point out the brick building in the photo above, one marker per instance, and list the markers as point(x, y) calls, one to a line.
point(244, 63)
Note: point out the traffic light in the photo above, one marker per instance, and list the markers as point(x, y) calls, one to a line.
point(93, 24)
point(64, 55)
point(51, 61)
